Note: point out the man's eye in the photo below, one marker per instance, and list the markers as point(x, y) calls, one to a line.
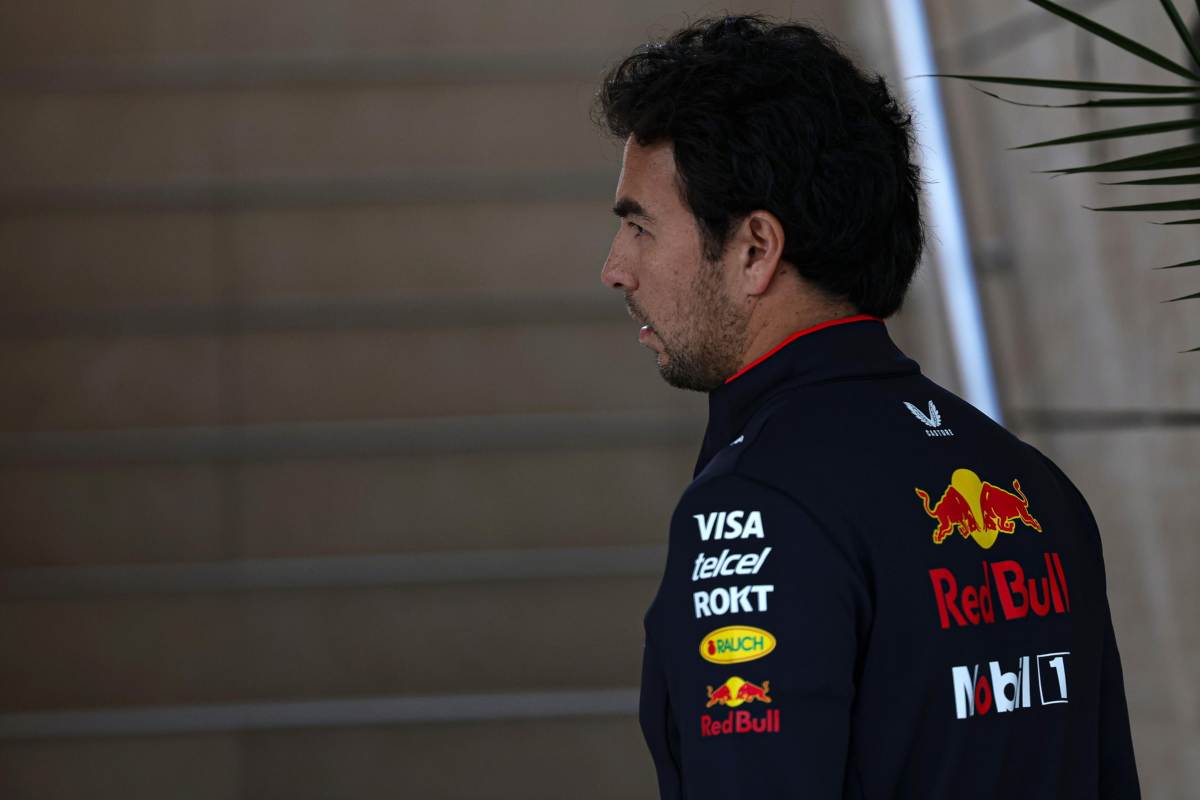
point(639, 230)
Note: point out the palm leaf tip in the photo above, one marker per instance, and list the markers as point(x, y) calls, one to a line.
point(1185, 35)
point(1180, 157)
point(1044, 83)
point(1178, 222)
point(1169, 205)
point(1181, 264)
point(1124, 42)
point(1146, 129)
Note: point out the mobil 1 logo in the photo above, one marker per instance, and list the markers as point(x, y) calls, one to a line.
point(1008, 686)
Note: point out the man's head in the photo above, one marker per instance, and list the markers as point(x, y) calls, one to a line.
point(762, 170)
point(682, 297)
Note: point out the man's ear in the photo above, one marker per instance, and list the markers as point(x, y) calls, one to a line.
point(759, 240)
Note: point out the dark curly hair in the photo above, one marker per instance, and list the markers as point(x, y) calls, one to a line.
point(773, 116)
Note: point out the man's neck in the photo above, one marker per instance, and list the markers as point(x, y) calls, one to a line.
point(766, 334)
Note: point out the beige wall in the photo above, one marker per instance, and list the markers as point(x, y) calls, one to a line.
point(311, 289)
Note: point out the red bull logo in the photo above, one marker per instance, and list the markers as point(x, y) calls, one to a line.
point(735, 691)
point(1019, 596)
point(977, 509)
point(740, 722)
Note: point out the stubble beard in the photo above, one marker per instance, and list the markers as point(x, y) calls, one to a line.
point(711, 339)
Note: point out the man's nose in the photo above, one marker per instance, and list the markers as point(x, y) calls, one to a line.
point(616, 275)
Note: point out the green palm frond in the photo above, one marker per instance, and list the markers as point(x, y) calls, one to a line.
point(1108, 102)
point(1170, 205)
point(1123, 42)
point(1181, 264)
point(1187, 155)
point(1161, 95)
point(1181, 29)
point(1119, 133)
point(1170, 180)
point(1088, 86)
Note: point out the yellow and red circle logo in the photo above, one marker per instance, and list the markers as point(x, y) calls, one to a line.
point(734, 644)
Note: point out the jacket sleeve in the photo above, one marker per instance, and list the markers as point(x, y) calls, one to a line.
point(1118, 769)
point(763, 609)
point(1118, 779)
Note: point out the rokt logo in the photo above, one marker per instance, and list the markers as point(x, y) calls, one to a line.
point(980, 510)
point(731, 600)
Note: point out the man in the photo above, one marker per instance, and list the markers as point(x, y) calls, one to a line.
point(872, 590)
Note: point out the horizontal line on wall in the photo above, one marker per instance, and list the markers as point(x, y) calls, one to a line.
point(331, 572)
point(386, 710)
point(361, 438)
point(332, 69)
point(433, 309)
point(218, 194)
point(449, 435)
point(314, 69)
point(1067, 420)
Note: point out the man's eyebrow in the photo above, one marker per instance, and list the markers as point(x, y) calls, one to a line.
point(628, 207)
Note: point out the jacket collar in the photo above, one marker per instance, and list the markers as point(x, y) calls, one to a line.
point(850, 347)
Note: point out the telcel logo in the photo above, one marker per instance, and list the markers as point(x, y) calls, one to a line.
point(735, 644)
point(728, 564)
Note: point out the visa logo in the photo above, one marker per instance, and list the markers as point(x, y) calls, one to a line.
point(730, 525)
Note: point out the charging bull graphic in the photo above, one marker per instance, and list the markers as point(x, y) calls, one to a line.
point(736, 691)
point(977, 509)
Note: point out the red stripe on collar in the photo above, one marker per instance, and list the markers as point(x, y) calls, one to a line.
point(820, 326)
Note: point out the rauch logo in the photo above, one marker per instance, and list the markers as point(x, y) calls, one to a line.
point(735, 644)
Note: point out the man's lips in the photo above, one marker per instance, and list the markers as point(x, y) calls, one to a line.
point(647, 332)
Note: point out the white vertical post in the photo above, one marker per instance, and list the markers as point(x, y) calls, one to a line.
point(914, 53)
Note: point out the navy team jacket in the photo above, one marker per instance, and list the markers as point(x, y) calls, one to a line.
point(874, 591)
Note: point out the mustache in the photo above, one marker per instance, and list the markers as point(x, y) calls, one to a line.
point(636, 312)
